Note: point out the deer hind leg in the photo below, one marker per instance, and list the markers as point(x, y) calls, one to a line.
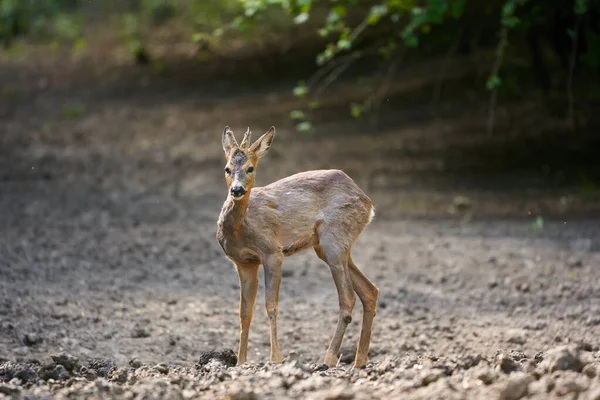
point(337, 260)
point(248, 274)
point(368, 294)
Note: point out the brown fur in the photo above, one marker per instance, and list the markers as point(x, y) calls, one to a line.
point(322, 209)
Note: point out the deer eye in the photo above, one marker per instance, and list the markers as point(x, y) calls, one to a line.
point(250, 170)
point(228, 171)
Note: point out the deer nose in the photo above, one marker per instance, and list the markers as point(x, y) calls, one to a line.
point(238, 191)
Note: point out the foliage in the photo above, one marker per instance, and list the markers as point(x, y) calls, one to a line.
point(351, 29)
point(402, 26)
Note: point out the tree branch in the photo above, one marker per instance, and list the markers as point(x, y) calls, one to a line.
point(572, 62)
point(495, 71)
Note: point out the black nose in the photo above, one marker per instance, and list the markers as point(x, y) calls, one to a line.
point(238, 191)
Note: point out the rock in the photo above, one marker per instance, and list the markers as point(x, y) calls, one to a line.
point(592, 321)
point(140, 332)
point(227, 357)
point(118, 375)
point(162, 368)
point(429, 376)
point(537, 326)
point(24, 372)
point(340, 392)
point(571, 382)
point(320, 367)
point(574, 262)
point(135, 363)
point(516, 388)
point(487, 376)
point(31, 339)
point(545, 385)
point(591, 370)
point(66, 360)
point(516, 336)
point(9, 390)
point(101, 366)
point(564, 358)
point(53, 371)
point(242, 395)
point(507, 364)
point(593, 394)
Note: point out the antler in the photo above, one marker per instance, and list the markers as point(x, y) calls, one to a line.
point(247, 138)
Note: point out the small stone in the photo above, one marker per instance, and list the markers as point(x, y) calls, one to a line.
point(507, 364)
point(571, 382)
point(430, 376)
point(320, 367)
point(162, 368)
point(574, 262)
point(594, 394)
point(53, 371)
point(242, 395)
point(590, 370)
point(135, 363)
point(118, 375)
point(9, 390)
point(66, 360)
point(538, 326)
point(340, 392)
point(516, 337)
point(101, 366)
point(516, 388)
point(592, 321)
point(31, 339)
point(140, 332)
point(487, 376)
point(564, 358)
point(227, 357)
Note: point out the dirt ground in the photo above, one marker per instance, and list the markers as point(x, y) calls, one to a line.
point(112, 284)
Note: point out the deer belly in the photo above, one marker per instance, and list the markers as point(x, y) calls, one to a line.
point(300, 244)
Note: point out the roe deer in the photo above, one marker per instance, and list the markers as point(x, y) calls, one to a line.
point(322, 209)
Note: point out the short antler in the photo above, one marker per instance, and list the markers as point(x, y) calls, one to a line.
point(247, 138)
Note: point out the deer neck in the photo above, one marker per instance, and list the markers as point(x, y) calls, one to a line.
point(233, 215)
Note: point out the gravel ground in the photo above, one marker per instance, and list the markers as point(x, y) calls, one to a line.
point(113, 285)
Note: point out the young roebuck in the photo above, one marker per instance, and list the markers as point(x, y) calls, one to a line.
point(322, 209)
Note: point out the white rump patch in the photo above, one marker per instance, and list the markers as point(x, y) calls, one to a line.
point(371, 215)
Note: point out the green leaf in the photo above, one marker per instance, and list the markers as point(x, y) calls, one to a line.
point(301, 18)
point(79, 45)
point(356, 110)
point(344, 44)
point(376, 13)
point(200, 36)
point(340, 10)
point(493, 82)
point(297, 114)
point(301, 90)
point(304, 126)
point(580, 7)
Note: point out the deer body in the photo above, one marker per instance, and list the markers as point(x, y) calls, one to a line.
point(322, 209)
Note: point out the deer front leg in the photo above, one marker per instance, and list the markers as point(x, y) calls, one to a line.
point(248, 274)
point(272, 267)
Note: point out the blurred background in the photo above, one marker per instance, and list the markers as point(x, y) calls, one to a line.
point(459, 96)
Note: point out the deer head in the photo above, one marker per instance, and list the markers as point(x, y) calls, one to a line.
point(242, 160)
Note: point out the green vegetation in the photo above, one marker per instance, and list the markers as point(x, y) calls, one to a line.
point(555, 38)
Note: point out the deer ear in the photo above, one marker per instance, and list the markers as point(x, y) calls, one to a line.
point(229, 142)
point(262, 145)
